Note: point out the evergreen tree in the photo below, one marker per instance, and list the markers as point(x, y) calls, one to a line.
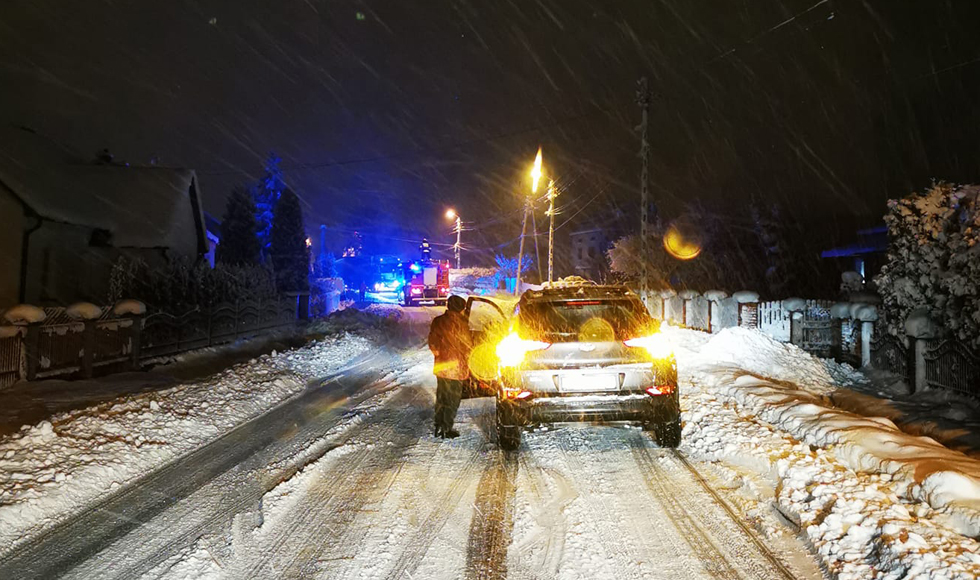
point(239, 245)
point(290, 255)
point(267, 194)
point(325, 265)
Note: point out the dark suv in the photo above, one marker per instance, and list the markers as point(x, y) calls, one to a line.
point(585, 353)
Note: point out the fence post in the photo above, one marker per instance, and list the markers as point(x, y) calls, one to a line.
point(747, 300)
point(919, 327)
point(32, 339)
point(88, 348)
point(135, 340)
point(867, 315)
point(88, 313)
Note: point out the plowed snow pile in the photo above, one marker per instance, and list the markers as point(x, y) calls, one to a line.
point(875, 502)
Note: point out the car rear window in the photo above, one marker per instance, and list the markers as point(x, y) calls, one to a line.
point(584, 320)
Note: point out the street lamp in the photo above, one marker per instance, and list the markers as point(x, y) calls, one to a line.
point(536, 174)
point(451, 214)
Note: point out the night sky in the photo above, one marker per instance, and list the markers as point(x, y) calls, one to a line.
point(387, 112)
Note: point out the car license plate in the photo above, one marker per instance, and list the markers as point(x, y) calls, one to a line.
point(589, 382)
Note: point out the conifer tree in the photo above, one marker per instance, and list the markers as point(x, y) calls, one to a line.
point(290, 255)
point(267, 193)
point(239, 245)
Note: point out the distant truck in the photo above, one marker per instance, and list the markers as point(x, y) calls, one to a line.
point(426, 281)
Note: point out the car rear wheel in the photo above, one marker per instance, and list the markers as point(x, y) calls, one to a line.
point(508, 436)
point(668, 433)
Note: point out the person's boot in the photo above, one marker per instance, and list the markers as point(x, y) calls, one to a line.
point(450, 434)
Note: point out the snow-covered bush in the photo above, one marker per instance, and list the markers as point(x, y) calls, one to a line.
point(178, 286)
point(851, 282)
point(934, 260)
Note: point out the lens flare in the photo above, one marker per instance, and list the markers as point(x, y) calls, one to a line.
point(483, 362)
point(683, 240)
point(596, 330)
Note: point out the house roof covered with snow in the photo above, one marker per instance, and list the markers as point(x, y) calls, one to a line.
point(142, 207)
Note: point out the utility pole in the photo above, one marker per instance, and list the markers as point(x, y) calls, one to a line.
point(459, 230)
point(520, 255)
point(643, 100)
point(537, 252)
point(552, 194)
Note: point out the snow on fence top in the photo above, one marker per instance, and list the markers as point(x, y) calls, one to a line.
point(129, 307)
point(746, 297)
point(716, 295)
point(84, 311)
point(24, 314)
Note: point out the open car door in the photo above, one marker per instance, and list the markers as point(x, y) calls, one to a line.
point(488, 326)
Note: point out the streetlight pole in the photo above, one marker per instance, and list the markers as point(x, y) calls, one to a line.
point(528, 208)
point(459, 231)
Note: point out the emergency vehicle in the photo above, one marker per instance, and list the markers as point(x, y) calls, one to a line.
point(426, 281)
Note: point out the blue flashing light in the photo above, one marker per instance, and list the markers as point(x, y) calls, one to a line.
point(416, 268)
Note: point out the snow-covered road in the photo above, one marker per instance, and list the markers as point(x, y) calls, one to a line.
point(380, 498)
point(346, 481)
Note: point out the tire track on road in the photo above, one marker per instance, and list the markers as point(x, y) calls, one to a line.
point(166, 490)
point(555, 524)
point(493, 519)
point(691, 524)
point(336, 498)
point(711, 557)
point(416, 548)
point(625, 551)
point(762, 548)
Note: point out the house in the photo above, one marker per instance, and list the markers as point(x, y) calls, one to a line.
point(212, 229)
point(589, 252)
point(866, 255)
point(66, 221)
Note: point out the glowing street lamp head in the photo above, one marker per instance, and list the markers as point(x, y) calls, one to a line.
point(450, 214)
point(536, 172)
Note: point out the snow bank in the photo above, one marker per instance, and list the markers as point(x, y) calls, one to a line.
point(873, 501)
point(759, 354)
point(936, 475)
point(55, 468)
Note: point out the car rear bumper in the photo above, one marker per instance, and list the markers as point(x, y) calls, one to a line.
point(632, 406)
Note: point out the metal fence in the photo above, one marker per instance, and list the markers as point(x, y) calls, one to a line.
point(10, 356)
point(950, 365)
point(889, 353)
point(63, 346)
point(164, 334)
point(819, 334)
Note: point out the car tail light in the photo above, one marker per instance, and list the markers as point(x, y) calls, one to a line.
point(416, 290)
point(512, 349)
point(655, 344)
point(657, 390)
point(516, 393)
point(443, 290)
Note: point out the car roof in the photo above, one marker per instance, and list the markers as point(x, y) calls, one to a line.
point(578, 292)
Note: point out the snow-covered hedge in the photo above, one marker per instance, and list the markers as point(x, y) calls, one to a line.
point(934, 260)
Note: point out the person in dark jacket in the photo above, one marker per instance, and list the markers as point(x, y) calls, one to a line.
point(450, 343)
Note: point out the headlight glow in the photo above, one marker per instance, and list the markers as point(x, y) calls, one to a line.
point(656, 344)
point(512, 349)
